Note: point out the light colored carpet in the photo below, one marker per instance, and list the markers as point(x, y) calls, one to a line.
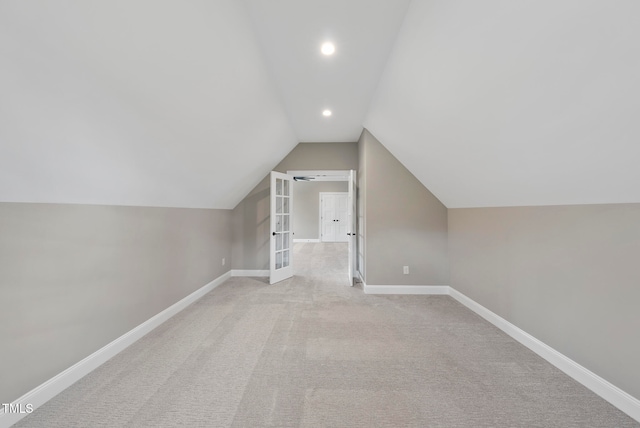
point(311, 352)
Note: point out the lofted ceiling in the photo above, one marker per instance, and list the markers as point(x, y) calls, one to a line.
point(507, 103)
point(291, 32)
point(143, 102)
point(191, 103)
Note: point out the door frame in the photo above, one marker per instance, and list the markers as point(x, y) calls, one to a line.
point(352, 225)
point(323, 175)
point(337, 175)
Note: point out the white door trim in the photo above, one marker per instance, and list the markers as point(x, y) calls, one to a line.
point(352, 214)
point(323, 175)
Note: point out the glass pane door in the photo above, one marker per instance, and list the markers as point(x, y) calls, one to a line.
point(281, 204)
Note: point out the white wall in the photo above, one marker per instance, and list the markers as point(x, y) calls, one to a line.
point(144, 103)
point(505, 103)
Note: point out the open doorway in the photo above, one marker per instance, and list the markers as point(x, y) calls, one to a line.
point(323, 210)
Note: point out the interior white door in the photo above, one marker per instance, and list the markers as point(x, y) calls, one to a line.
point(352, 230)
point(342, 217)
point(327, 217)
point(281, 254)
point(334, 216)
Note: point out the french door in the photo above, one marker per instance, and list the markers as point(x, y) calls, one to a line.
point(352, 226)
point(281, 254)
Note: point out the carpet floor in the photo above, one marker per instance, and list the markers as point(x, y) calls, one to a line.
point(312, 352)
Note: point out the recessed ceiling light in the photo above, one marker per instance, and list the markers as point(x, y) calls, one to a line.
point(328, 48)
point(326, 113)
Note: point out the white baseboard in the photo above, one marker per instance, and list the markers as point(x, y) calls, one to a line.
point(611, 393)
point(405, 289)
point(43, 393)
point(49, 389)
point(250, 272)
point(605, 389)
point(306, 240)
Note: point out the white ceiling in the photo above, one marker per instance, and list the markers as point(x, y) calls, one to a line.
point(291, 32)
point(145, 102)
point(191, 103)
point(505, 103)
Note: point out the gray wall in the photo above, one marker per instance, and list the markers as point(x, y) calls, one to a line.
point(251, 216)
point(320, 156)
point(306, 207)
point(75, 277)
point(568, 275)
point(406, 225)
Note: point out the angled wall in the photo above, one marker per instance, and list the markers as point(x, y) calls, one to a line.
point(568, 275)
point(251, 215)
point(75, 277)
point(404, 223)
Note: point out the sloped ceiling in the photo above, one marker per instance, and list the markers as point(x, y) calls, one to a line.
point(505, 103)
point(291, 32)
point(191, 103)
point(144, 102)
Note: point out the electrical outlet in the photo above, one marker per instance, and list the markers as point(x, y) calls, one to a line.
point(223, 261)
point(405, 270)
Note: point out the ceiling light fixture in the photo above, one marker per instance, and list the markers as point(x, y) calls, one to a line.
point(328, 48)
point(326, 113)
